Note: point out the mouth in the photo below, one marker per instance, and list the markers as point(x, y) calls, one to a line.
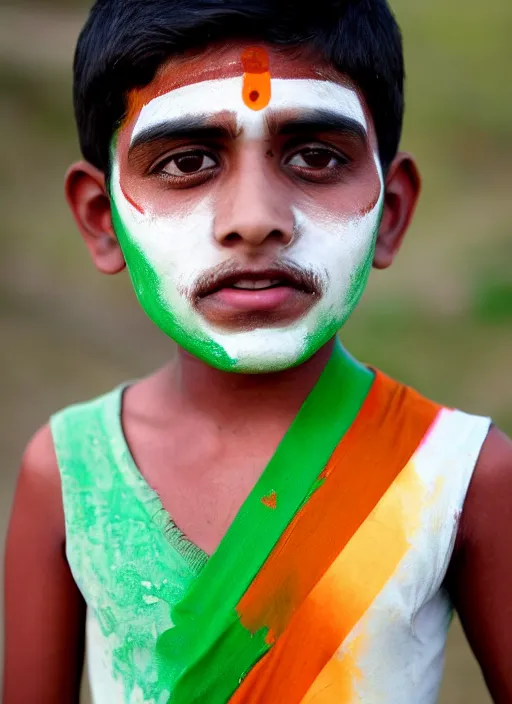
point(252, 298)
point(259, 280)
point(257, 284)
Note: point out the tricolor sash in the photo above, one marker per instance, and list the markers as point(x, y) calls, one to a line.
point(257, 625)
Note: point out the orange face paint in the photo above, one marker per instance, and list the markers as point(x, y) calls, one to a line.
point(256, 87)
point(130, 200)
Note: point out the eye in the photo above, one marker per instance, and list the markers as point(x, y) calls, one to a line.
point(316, 158)
point(188, 164)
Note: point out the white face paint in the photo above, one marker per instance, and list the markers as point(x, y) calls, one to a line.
point(287, 94)
point(166, 254)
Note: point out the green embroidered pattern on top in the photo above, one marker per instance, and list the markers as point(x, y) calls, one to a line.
point(191, 553)
point(208, 652)
point(129, 561)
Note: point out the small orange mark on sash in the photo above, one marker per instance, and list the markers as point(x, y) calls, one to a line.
point(270, 501)
point(270, 638)
point(256, 88)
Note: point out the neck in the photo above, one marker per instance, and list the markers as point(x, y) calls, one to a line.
point(232, 398)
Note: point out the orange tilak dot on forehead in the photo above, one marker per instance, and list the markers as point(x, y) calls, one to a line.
point(256, 86)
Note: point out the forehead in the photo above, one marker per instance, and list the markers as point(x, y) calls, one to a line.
point(212, 81)
point(222, 97)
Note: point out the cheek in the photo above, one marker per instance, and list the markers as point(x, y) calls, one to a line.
point(337, 230)
point(334, 246)
point(357, 195)
point(178, 248)
point(148, 196)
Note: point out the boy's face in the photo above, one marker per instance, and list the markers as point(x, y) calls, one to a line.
point(247, 195)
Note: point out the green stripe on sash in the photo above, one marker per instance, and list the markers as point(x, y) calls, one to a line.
point(207, 653)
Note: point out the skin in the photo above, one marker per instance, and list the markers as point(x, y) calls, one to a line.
point(242, 419)
point(177, 229)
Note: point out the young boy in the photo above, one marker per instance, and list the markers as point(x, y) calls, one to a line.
point(265, 519)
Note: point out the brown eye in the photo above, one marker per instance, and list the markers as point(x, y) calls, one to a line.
point(188, 163)
point(314, 158)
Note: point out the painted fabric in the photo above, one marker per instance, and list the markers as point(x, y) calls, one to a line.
point(342, 603)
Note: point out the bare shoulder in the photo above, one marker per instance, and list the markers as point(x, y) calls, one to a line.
point(495, 460)
point(44, 610)
point(39, 462)
point(488, 505)
point(39, 456)
point(479, 579)
point(38, 491)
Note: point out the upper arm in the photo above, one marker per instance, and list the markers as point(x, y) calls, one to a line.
point(44, 611)
point(480, 576)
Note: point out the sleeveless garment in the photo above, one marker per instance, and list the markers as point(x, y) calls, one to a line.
point(133, 564)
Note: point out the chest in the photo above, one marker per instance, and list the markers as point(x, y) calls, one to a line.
point(203, 475)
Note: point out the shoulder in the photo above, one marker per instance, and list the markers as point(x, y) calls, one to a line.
point(39, 489)
point(37, 516)
point(495, 462)
point(486, 517)
point(479, 579)
point(489, 500)
point(39, 461)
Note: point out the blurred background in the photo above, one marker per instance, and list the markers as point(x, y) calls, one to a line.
point(440, 319)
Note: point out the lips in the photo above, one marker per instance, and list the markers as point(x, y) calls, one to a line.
point(257, 279)
point(249, 298)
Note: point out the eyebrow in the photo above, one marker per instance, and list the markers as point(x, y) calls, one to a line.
point(200, 128)
point(317, 121)
point(186, 127)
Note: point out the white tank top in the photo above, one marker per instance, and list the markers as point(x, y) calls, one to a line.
point(396, 651)
point(116, 525)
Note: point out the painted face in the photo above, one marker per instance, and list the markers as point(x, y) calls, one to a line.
point(247, 195)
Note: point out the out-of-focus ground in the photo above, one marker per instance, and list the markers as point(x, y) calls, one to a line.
point(440, 320)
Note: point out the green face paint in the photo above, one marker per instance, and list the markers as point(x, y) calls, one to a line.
point(253, 351)
point(148, 288)
point(170, 248)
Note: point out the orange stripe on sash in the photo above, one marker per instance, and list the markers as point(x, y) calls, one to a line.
point(357, 577)
point(289, 596)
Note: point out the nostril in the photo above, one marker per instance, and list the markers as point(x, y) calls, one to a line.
point(277, 235)
point(254, 236)
point(232, 237)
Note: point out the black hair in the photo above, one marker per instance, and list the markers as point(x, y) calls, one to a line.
point(124, 42)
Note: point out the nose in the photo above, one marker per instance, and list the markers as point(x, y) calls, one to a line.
point(253, 209)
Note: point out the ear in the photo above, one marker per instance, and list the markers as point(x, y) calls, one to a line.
point(87, 197)
point(402, 191)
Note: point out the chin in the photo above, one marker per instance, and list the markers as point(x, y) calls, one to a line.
point(265, 365)
point(261, 350)
point(266, 350)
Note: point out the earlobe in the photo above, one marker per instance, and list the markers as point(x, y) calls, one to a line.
point(87, 197)
point(402, 190)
